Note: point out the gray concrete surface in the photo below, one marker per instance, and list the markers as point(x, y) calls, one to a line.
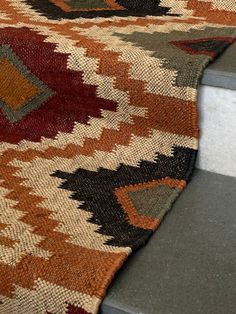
point(222, 72)
point(189, 265)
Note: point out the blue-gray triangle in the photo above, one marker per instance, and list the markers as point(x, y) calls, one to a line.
point(154, 202)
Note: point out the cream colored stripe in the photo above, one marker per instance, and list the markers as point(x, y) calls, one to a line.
point(177, 7)
point(228, 5)
point(4, 16)
point(27, 241)
point(46, 297)
point(140, 148)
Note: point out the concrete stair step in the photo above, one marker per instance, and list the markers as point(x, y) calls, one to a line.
point(217, 110)
point(222, 71)
point(188, 266)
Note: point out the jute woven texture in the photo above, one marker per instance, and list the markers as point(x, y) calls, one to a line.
point(98, 136)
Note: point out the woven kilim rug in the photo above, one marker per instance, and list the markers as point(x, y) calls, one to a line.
point(98, 136)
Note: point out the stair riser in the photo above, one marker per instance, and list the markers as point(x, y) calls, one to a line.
point(217, 117)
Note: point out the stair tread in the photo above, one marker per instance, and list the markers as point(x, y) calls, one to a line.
point(222, 72)
point(188, 266)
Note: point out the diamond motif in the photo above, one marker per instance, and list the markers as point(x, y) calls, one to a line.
point(72, 9)
point(20, 91)
point(62, 99)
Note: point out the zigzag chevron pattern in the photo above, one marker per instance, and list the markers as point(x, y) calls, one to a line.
point(98, 137)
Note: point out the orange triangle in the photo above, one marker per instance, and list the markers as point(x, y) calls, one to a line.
point(134, 216)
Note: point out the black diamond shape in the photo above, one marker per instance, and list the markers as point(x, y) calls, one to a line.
point(133, 8)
